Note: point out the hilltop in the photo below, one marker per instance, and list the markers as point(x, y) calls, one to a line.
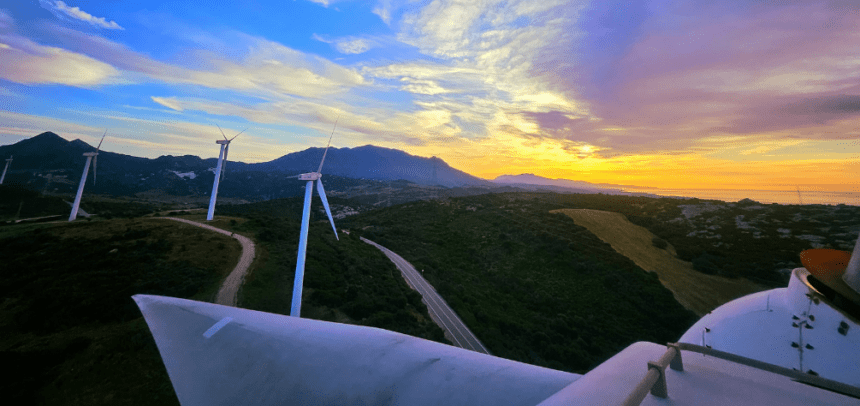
point(50, 163)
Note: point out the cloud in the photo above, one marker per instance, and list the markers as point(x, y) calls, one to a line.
point(349, 45)
point(24, 61)
point(695, 70)
point(266, 68)
point(168, 102)
point(62, 10)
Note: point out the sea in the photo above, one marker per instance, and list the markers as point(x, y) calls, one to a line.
point(761, 196)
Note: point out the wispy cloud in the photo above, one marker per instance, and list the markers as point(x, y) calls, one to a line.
point(349, 45)
point(62, 11)
point(24, 61)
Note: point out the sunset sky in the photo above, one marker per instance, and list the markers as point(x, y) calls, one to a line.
point(671, 94)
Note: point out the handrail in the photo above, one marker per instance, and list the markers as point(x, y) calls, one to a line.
point(655, 380)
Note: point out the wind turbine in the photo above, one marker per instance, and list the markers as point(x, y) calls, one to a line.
point(219, 169)
point(8, 162)
point(296, 307)
point(94, 158)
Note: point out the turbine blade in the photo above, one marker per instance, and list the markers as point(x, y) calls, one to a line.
point(329, 144)
point(101, 141)
point(95, 168)
point(222, 131)
point(327, 209)
point(240, 132)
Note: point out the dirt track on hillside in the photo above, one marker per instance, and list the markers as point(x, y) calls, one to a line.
point(229, 291)
point(694, 290)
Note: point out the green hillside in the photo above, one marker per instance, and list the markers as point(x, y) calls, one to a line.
point(533, 286)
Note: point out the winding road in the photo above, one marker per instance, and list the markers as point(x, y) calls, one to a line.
point(441, 313)
point(229, 291)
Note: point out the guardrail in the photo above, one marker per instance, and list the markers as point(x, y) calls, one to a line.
point(655, 380)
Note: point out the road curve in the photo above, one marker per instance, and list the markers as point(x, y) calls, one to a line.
point(228, 293)
point(441, 313)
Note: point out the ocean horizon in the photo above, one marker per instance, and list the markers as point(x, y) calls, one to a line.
point(761, 196)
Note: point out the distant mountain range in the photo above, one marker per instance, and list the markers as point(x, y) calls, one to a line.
point(53, 164)
point(50, 163)
point(528, 180)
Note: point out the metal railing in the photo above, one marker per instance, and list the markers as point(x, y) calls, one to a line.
point(655, 380)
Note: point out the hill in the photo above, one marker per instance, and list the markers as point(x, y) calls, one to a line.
point(696, 291)
point(49, 163)
point(532, 285)
point(69, 331)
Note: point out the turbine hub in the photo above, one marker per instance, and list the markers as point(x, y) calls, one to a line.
point(222, 141)
point(310, 176)
point(90, 153)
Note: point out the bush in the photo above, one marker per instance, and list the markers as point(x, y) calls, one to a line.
point(659, 243)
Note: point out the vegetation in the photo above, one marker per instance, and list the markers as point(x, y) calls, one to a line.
point(533, 286)
point(69, 330)
point(346, 281)
point(17, 202)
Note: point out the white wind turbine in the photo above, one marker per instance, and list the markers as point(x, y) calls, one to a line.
point(219, 169)
point(8, 162)
point(296, 308)
point(94, 158)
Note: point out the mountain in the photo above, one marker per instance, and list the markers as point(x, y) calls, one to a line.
point(50, 163)
point(534, 180)
point(371, 162)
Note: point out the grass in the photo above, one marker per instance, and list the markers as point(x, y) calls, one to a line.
point(694, 290)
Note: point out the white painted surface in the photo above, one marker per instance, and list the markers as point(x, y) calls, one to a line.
point(764, 325)
point(266, 359)
point(705, 381)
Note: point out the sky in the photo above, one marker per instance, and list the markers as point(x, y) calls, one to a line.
point(669, 94)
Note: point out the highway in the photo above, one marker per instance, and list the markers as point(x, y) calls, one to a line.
point(441, 313)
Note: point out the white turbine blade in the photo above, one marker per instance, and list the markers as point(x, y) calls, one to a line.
point(217, 354)
point(240, 132)
point(222, 132)
point(328, 145)
point(327, 209)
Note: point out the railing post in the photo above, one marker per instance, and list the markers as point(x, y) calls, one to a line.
point(677, 363)
point(659, 389)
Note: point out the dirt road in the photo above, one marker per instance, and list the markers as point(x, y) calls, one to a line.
point(228, 293)
point(694, 290)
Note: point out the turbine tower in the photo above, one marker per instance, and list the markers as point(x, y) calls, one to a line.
point(8, 162)
point(296, 307)
point(219, 169)
point(94, 158)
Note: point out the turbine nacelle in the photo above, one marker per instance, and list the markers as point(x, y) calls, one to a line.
point(90, 153)
point(310, 176)
point(222, 142)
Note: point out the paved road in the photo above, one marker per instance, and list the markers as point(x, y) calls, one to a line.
point(441, 313)
point(227, 295)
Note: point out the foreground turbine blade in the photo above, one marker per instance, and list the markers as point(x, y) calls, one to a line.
point(95, 168)
point(296, 306)
point(325, 204)
point(220, 355)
